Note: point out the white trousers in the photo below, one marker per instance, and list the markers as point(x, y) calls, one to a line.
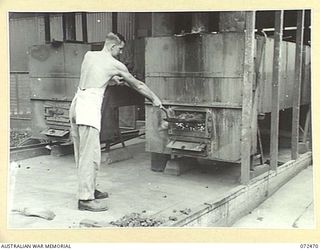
point(87, 154)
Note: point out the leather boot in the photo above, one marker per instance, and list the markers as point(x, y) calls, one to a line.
point(100, 195)
point(92, 205)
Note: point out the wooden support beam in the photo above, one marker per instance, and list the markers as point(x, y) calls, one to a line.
point(274, 140)
point(306, 126)
point(247, 96)
point(297, 86)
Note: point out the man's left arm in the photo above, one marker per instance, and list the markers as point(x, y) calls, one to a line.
point(138, 85)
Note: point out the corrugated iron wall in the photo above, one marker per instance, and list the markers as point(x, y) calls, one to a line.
point(99, 25)
point(56, 32)
point(79, 27)
point(126, 25)
point(23, 33)
point(20, 95)
point(30, 30)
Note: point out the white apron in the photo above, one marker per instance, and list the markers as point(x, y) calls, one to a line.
point(88, 104)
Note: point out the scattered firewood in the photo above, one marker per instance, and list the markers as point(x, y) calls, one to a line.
point(136, 220)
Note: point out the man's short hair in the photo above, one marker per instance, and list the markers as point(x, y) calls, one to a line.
point(114, 38)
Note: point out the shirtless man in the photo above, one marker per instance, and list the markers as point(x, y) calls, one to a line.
point(97, 70)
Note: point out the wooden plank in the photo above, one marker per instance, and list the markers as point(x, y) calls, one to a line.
point(247, 97)
point(274, 140)
point(260, 55)
point(297, 86)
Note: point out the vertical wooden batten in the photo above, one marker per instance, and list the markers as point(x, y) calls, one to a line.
point(297, 86)
point(274, 140)
point(247, 96)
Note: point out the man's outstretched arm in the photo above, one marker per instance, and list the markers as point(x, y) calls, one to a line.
point(139, 86)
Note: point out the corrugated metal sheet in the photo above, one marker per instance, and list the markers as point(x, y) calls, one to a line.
point(56, 31)
point(24, 32)
point(287, 76)
point(79, 27)
point(20, 105)
point(126, 24)
point(99, 25)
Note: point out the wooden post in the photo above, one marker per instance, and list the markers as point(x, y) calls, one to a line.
point(247, 97)
point(306, 126)
point(297, 86)
point(274, 140)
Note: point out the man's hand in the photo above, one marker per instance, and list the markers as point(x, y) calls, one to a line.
point(116, 80)
point(157, 103)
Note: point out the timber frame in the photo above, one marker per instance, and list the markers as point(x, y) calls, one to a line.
point(247, 107)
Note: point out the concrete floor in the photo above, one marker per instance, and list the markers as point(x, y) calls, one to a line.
point(291, 206)
point(51, 182)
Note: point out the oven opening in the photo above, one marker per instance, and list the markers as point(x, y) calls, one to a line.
point(189, 121)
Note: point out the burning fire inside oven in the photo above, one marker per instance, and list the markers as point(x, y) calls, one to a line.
point(190, 121)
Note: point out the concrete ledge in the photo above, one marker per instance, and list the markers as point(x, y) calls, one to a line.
point(28, 153)
point(234, 204)
point(116, 155)
point(179, 166)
